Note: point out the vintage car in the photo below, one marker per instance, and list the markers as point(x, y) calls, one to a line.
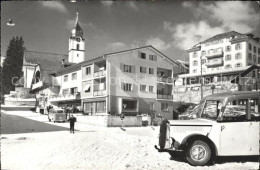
point(57, 115)
point(227, 124)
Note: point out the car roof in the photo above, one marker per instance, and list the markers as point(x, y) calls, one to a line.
point(238, 94)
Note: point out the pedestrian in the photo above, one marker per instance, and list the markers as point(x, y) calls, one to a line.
point(122, 116)
point(72, 121)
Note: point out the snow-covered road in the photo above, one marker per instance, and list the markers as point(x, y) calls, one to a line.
point(93, 148)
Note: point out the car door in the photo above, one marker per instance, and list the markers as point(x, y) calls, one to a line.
point(234, 133)
point(254, 146)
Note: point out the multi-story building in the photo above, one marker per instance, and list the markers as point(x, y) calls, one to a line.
point(218, 60)
point(132, 81)
point(222, 57)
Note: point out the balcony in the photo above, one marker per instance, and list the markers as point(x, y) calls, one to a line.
point(100, 73)
point(100, 93)
point(164, 96)
point(164, 79)
point(215, 62)
point(64, 97)
point(218, 53)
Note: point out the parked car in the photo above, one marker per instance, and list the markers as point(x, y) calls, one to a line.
point(227, 124)
point(56, 115)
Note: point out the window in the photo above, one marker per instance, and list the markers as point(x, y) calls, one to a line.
point(254, 49)
point(228, 66)
point(150, 88)
point(164, 107)
point(65, 78)
point(203, 53)
point(127, 87)
point(151, 106)
point(195, 63)
point(194, 54)
point(235, 111)
point(152, 57)
point(195, 71)
point(100, 106)
point(142, 87)
point(88, 70)
point(151, 71)
point(254, 58)
point(250, 46)
point(258, 60)
point(211, 109)
point(127, 68)
point(77, 46)
point(74, 90)
point(143, 56)
point(74, 76)
point(88, 107)
point(142, 69)
point(238, 65)
point(249, 56)
point(228, 57)
point(238, 46)
point(258, 50)
point(65, 91)
point(238, 56)
point(228, 48)
point(203, 61)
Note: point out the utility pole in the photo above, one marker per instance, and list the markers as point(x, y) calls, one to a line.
point(201, 83)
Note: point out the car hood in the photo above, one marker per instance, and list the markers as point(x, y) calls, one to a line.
point(191, 122)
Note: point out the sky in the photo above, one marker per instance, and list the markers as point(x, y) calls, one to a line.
point(109, 26)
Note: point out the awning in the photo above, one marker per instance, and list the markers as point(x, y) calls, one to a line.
point(87, 87)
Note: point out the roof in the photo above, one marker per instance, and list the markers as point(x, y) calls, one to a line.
point(223, 35)
point(231, 95)
point(149, 46)
point(253, 67)
point(47, 61)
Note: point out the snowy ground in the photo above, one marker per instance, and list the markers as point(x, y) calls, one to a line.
point(92, 148)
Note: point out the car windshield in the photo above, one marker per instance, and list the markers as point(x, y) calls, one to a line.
point(211, 109)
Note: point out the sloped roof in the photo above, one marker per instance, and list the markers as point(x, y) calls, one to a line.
point(223, 35)
point(47, 61)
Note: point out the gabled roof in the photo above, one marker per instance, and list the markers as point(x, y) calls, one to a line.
point(47, 61)
point(149, 46)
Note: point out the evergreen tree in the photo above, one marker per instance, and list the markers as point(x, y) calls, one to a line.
point(13, 63)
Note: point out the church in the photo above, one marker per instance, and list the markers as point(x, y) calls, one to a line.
point(133, 81)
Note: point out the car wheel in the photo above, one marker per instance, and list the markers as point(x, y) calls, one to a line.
point(198, 153)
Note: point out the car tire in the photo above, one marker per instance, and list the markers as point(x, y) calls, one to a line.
point(54, 121)
point(198, 153)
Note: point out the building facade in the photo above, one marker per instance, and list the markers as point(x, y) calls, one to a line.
point(132, 82)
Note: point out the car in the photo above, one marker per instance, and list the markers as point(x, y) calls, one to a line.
point(226, 124)
point(56, 115)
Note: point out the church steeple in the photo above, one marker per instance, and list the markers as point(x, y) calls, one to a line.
point(77, 31)
point(76, 43)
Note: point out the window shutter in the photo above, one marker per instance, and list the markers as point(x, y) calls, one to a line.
point(121, 67)
point(132, 69)
point(139, 54)
point(122, 86)
point(155, 57)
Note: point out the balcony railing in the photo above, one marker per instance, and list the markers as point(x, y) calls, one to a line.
point(164, 96)
point(214, 63)
point(219, 53)
point(100, 73)
point(65, 97)
point(165, 79)
point(100, 93)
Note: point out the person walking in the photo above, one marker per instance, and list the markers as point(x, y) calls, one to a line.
point(72, 121)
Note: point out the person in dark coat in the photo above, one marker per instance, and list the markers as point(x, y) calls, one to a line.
point(72, 121)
